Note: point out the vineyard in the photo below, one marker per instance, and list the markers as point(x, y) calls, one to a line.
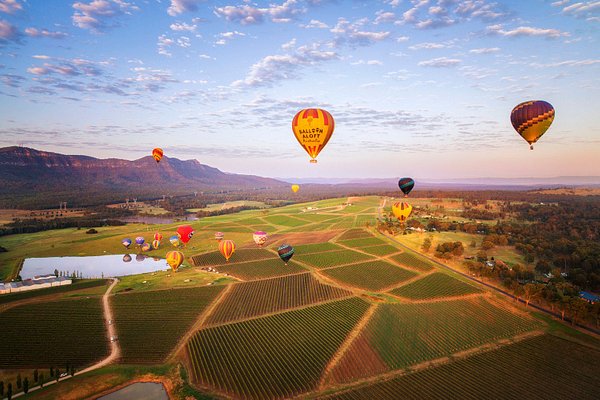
point(410, 260)
point(355, 234)
point(532, 368)
point(216, 259)
point(276, 356)
point(149, 324)
point(372, 275)
point(332, 258)
point(251, 299)
point(75, 286)
point(316, 248)
point(362, 242)
point(380, 250)
point(435, 285)
point(53, 334)
point(402, 335)
point(261, 269)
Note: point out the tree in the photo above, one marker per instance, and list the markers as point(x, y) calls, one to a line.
point(72, 370)
point(19, 381)
point(578, 308)
point(51, 372)
point(426, 244)
point(9, 391)
point(57, 372)
point(1, 389)
point(55, 272)
point(41, 379)
point(26, 385)
point(35, 375)
point(531, 291)
point(517, 290)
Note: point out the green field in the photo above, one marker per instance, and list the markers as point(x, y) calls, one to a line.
point(362, 242)
point(371, 275)
point(260, 269)
point(251, 299)
point(215, 258)
point(435, 285)
point(380, 250)
point(77, 288)
point(332, 258)
point(149, 324)
point(315, 248)
point(532, 368)
point(413, 261)
point(54, 333)
point(355, 234)
point(273, 357)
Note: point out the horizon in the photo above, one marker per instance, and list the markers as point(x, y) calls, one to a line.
point(415, 88)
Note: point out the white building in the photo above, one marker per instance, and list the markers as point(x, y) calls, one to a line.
point(38, 282)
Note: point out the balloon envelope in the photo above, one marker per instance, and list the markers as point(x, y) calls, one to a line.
point(139, 240)
point(531, 119)
point(285, 252)
point(295, 188)
point(402, 210)
point(155, 244)
point(406, 185)
point(219, 236)
point(146, 247)
point(259, 237)
point(313, 128)
point(185, 233)
point(174, 240)
point(157, 153)
point(158, 236)
point(126, 242)
point(174, 259)
point(227, 248)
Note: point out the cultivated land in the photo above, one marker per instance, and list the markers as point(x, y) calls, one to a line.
point(353, 315)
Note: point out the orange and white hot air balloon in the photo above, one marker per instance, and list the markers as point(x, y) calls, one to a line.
point(401, 210)
point(227, 248)
point(313, 128)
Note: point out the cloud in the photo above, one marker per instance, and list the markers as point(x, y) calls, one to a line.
point(429, 46)
point(100, 15)
point(12, 80)
point(182, 27)
point(583, 9)
point(315, 24)
point(423, 15)
point(525, 31)
point(368, 62)
point(10, 6)
point(163, 45)
point(8, 33)
point(354, 33)
point(34, 32)
point(249, 15)
point(274, 68)
point(485, 50)
point(225, 37)
point(385, 17)
point(74, 67)
point(567, 63)
point(440, 62)
point(181, 6)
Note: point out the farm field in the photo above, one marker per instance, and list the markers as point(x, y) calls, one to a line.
point(523, 370)
point(53, 333)
point(251, 299)
point(315, 248)
point(216, 259)
point(149, 324)
point(332, 258)
point(380, 250)
point(273, 357)
point(412, 261)
point(261, 269)
point(77, 288)
point(371, 275)
point(427, 331)
point(435, 285)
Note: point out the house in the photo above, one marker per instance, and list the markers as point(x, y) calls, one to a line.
point(589, 297)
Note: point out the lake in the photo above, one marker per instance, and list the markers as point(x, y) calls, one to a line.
point(139, 391)
point(139, 219)
point(93, 266)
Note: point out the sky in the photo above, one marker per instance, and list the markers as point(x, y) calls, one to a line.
point(420, 88)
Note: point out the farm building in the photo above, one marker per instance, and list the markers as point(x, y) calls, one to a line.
point(37, 282)
point(589, 297)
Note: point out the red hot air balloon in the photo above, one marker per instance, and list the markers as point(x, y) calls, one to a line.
point(531, 119)
point(185, 233)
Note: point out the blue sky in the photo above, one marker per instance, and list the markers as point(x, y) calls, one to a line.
point(420, 88)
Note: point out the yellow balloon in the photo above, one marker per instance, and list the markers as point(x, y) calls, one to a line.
point(295, 188)
point(313, 128)
point(401, 210)
point(175, 259)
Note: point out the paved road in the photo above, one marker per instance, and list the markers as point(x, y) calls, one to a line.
point(115, 349)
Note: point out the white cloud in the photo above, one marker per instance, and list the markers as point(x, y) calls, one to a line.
point(225, 37)
point(10, 6)
point(163, 45)
point(485, 50)
point(289, 45)
point(525, 31)
point(353, 33)
point(440, 62)
point(249, 15)
point(385, 17)
point(428, 46)
point(587, 9)
point(182, 26)
point(181, 6)
point(8, 32)
point(402, 39)
point(34, 32)
point(315, 24)
point(567, 63)
point(97, 14)
point(368, 62)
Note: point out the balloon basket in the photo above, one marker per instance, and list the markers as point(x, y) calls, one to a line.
point(313, 161)
point(530, 147)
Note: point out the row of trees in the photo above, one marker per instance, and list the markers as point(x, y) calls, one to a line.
point(23, 384)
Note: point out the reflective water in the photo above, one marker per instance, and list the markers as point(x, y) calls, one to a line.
point(93, 266)
point(139, 391)
point(157, 220)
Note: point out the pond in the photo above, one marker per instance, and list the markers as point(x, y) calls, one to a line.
point(93, 266)
point(139, 391)
point(156, 220)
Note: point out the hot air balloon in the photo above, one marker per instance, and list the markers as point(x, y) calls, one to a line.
point(259, 237)
point(126, 242)
point(285, 252)
point(146, 247)
point(174, 259)
point(139, 240)
point(313, 128)
point(406, 185)
point(227, 248)
point(401, 210)
point(219, 236)
point(157, 153)
point(185, 233)
point(295, 188)
point(126, 258)
point(174, 240)
point(158, 236)
point(155, 244)
point(531, 119)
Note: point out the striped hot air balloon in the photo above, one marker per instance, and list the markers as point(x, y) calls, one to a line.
point(285, 252)
point(157, 153)
point(175, 259)
point(146, 247)
point(531, 119)
point(259, 237)
point(401, 210)
point(155, 244)
point(406, 185)
point(174, 240)
point(313, 128)
point(158, 236)
point(227, 248)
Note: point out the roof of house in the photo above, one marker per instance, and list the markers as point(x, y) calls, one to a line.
point(589, 296)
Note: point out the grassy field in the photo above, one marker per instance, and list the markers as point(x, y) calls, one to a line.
point(149, 324)
point(77, 288)
point(261, 269)
point(435, 285)
point(371, 275)
point(412, 261)
point(229, 204)
point(273, 357)
point(330, 259)
point(216, 259)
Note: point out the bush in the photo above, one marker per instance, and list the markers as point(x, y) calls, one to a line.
point(91, 231)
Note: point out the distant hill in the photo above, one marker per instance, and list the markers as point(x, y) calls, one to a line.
point(26, 172)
